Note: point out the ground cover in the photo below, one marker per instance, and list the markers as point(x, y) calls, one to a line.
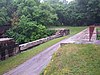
point(74, 59)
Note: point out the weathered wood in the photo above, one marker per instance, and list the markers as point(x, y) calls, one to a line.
point(8, 48)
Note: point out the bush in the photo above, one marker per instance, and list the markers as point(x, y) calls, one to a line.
point(27, 30)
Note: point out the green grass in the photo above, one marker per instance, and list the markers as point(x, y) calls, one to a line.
point(74, 59)
point(98, 35)
point(14, 61)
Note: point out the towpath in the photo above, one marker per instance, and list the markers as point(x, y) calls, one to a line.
point(35, 65)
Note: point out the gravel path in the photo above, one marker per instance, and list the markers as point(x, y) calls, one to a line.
point(35, 65)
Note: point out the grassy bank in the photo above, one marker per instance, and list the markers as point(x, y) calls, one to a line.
point(98, 35)
point(73, 59)
point(13, 62)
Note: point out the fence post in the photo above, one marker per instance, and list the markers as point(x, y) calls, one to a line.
point(91, 30)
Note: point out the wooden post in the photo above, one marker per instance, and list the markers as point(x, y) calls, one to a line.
point(91, 30)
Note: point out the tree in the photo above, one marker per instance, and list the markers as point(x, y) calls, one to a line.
point(90, 8)
point(47, 15)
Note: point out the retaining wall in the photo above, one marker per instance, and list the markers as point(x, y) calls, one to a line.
point(28, 45)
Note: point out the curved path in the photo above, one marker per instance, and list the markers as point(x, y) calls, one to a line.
point(35, 65)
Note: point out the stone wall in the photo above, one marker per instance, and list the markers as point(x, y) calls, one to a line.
point(58, 34)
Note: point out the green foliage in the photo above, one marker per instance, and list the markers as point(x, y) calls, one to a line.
point(27, 31)
point(51, 12)
point(98, 33)
point(45, 16)
point(41, 13)
point(3, 16)
point(78, 12)
point(29, 19)
point(6, 11)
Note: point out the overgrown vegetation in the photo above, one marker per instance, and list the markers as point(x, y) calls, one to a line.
point(12, 62)
point(98, 33)
point(29, 18)
point(75, 59)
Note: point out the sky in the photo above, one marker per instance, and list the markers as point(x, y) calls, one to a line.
point(69, 0)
